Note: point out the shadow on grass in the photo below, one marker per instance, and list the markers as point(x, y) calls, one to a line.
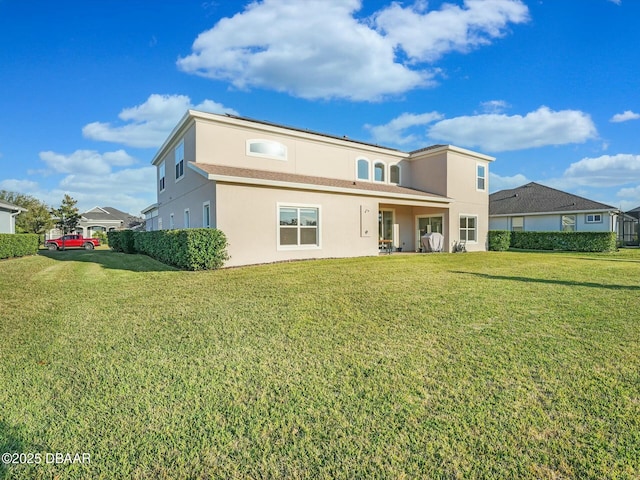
point(548, 281)
point(109, 259)
point(10, 443)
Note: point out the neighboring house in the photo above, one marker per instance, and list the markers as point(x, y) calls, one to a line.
point(281, 193)
point(534, 207)
point(101, 219)
point(8, 213)
point(632, 226)
point(151, 217)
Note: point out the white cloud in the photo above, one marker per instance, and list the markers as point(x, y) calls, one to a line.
point(86, 161)
point(427, 36)
point(149, 124)
point(605, 171)
point(319, 49)
point(499, 132)
point(129, 190)
point(494, 106)
point(18, 186)
point(631, 192)
point(625, 116)
point(497, 182)
point(393, 133)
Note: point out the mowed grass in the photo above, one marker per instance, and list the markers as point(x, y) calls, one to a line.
point(477, 365)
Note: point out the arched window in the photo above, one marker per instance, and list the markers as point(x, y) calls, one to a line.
point(394, 174)
point(363, 169)
point(378, 172)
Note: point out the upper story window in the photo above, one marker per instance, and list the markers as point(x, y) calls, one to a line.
point(481, 177)
point(267, 149)
point(161, 175)
point(394, 174)
point(363, 169)
point(179, 152)
point(378, 172)
point(594, 218)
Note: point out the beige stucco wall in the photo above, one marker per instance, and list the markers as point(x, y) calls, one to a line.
point(461, 185)
point(224, 144)
point(189, 192)
point(249, 218)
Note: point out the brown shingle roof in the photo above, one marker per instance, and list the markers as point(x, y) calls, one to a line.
point(226, 171)
point(536, 198)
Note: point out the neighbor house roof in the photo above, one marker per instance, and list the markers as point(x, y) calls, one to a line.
point(110, 214)
point(635, 213)
point(534, 198)
point(291, 180)
point(11, 207)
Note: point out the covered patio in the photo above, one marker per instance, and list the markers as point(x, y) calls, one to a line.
point(400, 226)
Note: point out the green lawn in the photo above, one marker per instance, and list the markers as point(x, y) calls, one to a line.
point(477, 365)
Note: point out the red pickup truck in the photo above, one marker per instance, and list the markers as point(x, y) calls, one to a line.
point(72, 241)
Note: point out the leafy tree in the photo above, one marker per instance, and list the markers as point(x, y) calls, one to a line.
point(68, 215)
point(37, 219)
point(102, 236)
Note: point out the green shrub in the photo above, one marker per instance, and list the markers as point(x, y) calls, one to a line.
point(121, 241)
point(189, 249)
point(568, 241)
point(102, 236)
point(499, 240)
point(18, 244)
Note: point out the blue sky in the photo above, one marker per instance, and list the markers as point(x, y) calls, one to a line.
point(90, 89)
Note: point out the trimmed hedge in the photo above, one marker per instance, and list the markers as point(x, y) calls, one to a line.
point(121, 241)
point(18, 244)
point(568, 241)
point(499, 240)
point(189, 249)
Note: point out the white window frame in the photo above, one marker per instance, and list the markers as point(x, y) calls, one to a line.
point(481, 177)
point(514, 226)
point(179, 160)
point(186, 219)
point(299, 206)
point(274, 143)
point(467, 229)
point(575, 222)
point(368, 162)
point(593, 219)
point(162, 177)
point(206, 214)
point(384, 172)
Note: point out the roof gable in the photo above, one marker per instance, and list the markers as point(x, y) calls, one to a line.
point(536, 198)
point(109, 214)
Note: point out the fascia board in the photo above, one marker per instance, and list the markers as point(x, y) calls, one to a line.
point(182, 125)
point(564, 212)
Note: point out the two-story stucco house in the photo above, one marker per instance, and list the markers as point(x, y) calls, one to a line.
point(281, 193)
